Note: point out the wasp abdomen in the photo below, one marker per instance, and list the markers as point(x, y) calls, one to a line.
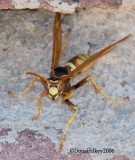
point(78, 60)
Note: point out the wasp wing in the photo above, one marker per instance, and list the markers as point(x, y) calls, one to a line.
point(56, 41)
point(94, 58)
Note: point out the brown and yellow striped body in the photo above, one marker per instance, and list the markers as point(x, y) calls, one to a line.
point(73, 63)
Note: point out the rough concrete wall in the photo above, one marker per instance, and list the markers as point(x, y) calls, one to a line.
point(64, 6)
point(26, 41)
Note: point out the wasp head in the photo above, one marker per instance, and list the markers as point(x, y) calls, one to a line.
point(54, 88)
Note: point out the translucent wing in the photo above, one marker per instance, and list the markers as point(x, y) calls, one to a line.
point(56, 41)
point(94, 58)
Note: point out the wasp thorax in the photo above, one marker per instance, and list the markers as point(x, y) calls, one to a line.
point(53, 93)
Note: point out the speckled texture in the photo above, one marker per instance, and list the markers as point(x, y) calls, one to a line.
point(33, 145)
point(65, 6)
point(26, 46)
point(4, 131)
point(99, 3)
point(6, 4)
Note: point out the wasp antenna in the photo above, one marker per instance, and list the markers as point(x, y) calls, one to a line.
point(37, 75)
point(34, 74)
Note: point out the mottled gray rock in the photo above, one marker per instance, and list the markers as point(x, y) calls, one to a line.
point(26, 46)
point(65, 6)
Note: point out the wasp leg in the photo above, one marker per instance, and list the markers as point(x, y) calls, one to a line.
point(97, 89)
point(69, 121)
point(69, 94)
point(66, 40)
point(38, 104)
point(30, 86)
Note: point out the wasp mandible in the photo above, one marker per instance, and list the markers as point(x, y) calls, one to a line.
point(58, 82)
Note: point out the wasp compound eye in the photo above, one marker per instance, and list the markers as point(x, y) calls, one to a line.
point(46, 86)
point(61, 87)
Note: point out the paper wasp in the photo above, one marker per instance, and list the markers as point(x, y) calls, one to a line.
point(59, 81)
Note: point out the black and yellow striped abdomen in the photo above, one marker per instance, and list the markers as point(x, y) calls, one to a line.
point(78, 60)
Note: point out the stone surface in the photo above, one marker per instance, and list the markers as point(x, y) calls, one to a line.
point(33, 145)
point(26, 46)
point(6, 4)
point(64, 6)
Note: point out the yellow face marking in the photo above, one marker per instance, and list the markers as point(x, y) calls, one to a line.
point(53, 81)
point(50, 96)
point(56, 97)
point(53, 91)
